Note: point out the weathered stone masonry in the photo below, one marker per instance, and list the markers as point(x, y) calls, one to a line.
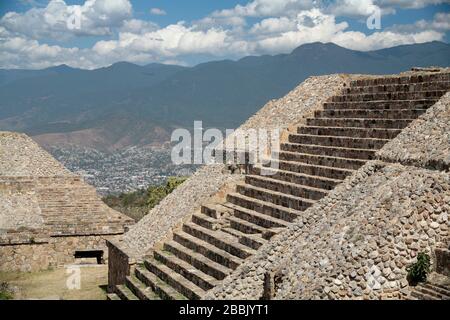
point(47, 213)
point(331, 222)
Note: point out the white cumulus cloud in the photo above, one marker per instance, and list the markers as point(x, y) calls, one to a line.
point(158, 12)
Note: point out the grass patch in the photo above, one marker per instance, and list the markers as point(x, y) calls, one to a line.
point(52, 284)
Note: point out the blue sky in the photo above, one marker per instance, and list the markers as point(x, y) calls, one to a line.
point(95, 33)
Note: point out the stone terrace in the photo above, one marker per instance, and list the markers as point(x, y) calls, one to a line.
point(42, 203)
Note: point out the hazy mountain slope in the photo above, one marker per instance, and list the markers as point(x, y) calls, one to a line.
point(126, 104)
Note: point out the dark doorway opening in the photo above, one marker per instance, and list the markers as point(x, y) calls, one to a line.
point(86, 254)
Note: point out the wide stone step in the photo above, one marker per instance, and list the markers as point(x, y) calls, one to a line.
point(329, 151)
point(125, 293)
point(139, 289)
point(205, 221)
point(371, 114)
point(263, 220)
point(206, 249)
point(422, 296)
point(263, 207)
point(337, 141)
point(250, 240)
point(277, 198)
point(381, 104)
point(194, 275)
point(245, 226)
point(215, 211)
point(438, 288)
point(431, 292)
point(219, 239)
point(422, 78)
point(412, 87)
point(112, 297)
point(359, 123)
point(286, 187)
point(435, 95)
point(350, 132)
point(326, 161)
point(162, 289)
point(173, 279)
point(319, 182)
point(197, 260)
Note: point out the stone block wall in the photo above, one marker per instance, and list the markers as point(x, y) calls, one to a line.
point(55, 252)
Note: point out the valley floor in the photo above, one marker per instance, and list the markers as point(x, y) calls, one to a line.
point(52, 284)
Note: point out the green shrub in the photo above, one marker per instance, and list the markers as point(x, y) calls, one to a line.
point(5, 291)
point(418, 271)
point(138, 203)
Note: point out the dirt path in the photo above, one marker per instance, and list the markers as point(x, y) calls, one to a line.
point(60, 283)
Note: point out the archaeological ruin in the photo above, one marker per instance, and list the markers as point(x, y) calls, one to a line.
point(363, 187)
point(49, 216)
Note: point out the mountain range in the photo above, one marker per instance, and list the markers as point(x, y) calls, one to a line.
point(126, 104)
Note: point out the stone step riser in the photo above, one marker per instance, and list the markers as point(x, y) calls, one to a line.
point(196, 262)
point(245, 228)
point(123, 295)
point(201, 221)
point(156, 286)
point(267, 196)
point(359, 154)
point(188, 274)
point(381, 105)
point(278, 213)
point(138, 292)
point(413, 87)
point(442, 77)
point(359, 123)
point(370, 114)
point(438, 289)
point(292, 189)
point(260, 221)
point(343, 163)
point(435, 95)
point(212, 255)
point(251, 241)
point(350, 132)
point(112, 297)
point(341, 142)
point(306, 180)
point(216, 241)
point(171, 281)
point(432, 293)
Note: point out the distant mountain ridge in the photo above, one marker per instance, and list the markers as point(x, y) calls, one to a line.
point(126, 104)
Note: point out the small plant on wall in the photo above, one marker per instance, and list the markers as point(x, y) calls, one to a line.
point(418, 271)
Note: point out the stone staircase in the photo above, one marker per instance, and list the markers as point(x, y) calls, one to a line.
point(333, 144)
point(431, 291)
point(437, 286)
